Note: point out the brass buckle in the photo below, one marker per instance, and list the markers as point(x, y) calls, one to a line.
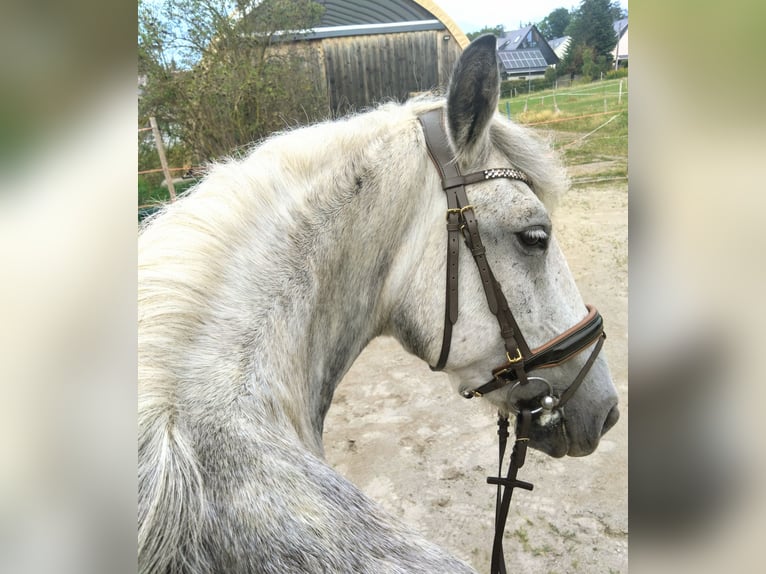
point(500, 371)
point(462, 217)
point(459, 210)
point(453, 210)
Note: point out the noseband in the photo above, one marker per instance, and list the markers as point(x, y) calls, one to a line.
point(519, 358)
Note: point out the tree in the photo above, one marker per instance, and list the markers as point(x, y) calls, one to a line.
point(554, 24)
point(591, 30)
point(550, 75)
point(617, 12)
point(497, 31)
point(589, 66)
point(220, 74)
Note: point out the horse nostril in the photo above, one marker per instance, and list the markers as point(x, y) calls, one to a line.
point(611, 419)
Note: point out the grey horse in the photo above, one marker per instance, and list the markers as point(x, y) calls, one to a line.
point(259, 289)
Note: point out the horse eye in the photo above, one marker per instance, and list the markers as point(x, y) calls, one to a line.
point(534, 237)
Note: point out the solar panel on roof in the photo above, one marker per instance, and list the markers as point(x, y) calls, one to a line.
point(523, 59)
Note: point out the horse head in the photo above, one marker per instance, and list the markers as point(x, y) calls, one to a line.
point(517, 263)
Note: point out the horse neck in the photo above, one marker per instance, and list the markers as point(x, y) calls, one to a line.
point(294, 294)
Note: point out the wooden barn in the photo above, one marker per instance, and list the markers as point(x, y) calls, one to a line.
point(370, 51)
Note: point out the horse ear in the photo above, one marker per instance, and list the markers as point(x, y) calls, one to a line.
point(474, 90)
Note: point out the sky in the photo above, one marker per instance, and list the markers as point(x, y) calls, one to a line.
point(473, 15)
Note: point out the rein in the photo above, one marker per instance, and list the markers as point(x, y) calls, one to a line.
point(520, 359)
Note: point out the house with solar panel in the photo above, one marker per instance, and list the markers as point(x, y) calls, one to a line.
point(620, 52)
point(525, 53)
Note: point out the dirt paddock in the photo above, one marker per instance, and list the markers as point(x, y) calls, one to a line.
point(399, 432)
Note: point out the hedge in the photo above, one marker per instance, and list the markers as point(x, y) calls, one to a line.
point(523, 86)
point(614, 74)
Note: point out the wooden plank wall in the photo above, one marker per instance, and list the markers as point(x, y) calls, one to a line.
point(364, 70)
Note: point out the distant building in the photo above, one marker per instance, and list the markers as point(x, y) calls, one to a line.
point(560, 45)
point(620, 52)
point(525, 52)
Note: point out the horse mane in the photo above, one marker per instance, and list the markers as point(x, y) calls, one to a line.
point(534, 155)
point(182, 255)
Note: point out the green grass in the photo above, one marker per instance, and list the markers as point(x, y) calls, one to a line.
point(152, 196)
point(151, 193)
point(604, 151)
point(577, 100)
point(579, 127)
point(567, 535)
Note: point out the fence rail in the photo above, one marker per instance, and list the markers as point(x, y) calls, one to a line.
point(568, 119)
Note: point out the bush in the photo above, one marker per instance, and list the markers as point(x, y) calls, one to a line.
point(510, 88)
point(551, 75)
point(150, 193)
point(149, 190)
point(616, 74)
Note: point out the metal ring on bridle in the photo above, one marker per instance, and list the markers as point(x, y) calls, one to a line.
point(547, 402)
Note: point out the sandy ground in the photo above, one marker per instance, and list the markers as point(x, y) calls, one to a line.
point(398, 431)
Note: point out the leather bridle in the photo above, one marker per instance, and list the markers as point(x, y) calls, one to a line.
point(520, 359)
point(461, 218)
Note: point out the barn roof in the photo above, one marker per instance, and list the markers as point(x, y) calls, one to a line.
point(361, 17)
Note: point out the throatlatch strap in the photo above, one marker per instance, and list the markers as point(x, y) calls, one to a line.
point(441, 156)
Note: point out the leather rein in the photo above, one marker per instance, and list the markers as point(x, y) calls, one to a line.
point(519, 358)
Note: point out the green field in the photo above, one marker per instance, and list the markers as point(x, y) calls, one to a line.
point(576, 100)
point(588, 124)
